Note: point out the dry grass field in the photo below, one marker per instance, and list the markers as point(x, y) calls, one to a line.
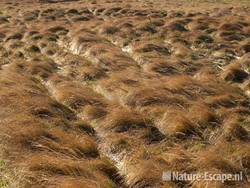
point(112, 93)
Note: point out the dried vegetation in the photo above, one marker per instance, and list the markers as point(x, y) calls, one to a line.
point(114, 93)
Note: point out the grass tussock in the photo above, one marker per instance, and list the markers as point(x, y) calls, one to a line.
point(152, 97)
point(233, 128)
point(84, 127)
point(76, 96)
point(211, 160)
point(202, 114)
point(58, 166)
point(234, 73)
point(176, 124)
point(57, 142)
point(245, 64)
point(93, 112)
point(137, 176)
point(125, 120)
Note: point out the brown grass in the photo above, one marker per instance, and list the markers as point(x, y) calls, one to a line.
point(113, 93)
point(76, 96)
point(202, 114)
point(234, 74)
point(176, 124)
point(122, 121)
